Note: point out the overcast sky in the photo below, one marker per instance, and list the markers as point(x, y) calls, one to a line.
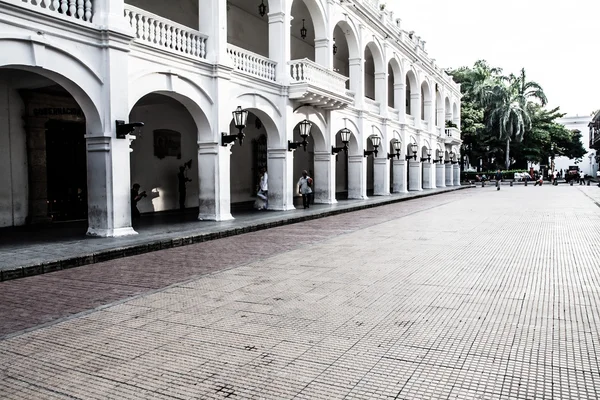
point(556, 41)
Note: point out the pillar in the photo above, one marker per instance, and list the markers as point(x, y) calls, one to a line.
point(456, 177)
point(400, 100)
point(324, 53)
point(356, 66)
point(279, 43)
point(399, 185)
point(415, 107)
point(357, 174)
point(440, 175)
point(214, 185)
point(449, 175)
point(324, 179)
point(427, 179)
point(381, 172)
point(427, 117)
point(414, 176)
point(212, 19)
point(381, 89)
point(280, 167)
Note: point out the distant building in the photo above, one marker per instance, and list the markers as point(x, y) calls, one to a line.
point(588, 163)
point(594, 137)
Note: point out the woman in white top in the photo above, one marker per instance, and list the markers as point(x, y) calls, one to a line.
point(304, 188)
point(581, 177)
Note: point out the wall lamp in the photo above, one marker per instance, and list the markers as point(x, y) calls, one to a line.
point(345, 134)
point(413, 148)
point(440, 158)
point(239, 119)
point(376, 140)
point(428, 158)
point(450, 160)
point(397, 145)
point(305, 127)
point(124, 129)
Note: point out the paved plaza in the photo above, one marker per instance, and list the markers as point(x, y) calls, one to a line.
point(476, 294)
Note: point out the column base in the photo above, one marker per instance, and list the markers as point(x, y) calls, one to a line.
point(106, 233)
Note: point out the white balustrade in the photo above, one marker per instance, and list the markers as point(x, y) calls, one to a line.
point(410, 120)
point(453, 133)
point(425, 125)
point(307, 71)
point(165, 34)
point(78, 9)
point(372, 105)
point(394, 114)
point(252, 63)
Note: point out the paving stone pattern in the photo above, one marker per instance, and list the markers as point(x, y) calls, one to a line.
point(474, 295)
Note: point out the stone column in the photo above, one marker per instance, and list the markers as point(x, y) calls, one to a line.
point(381, 173)
point(324, 53)
point(428, 105)
point(399, 184)
point(356, 80)
point(415, 107)
point(357, 173)
point(212, 19)
point(440, 175)
point(324, 179)
point(427, 179)
point(449, 176)
point(381, 89)
point(280, 168)
point(279, 45)
point(213, 177)
point(414, 176)
point(400, 100)
point(456, 176)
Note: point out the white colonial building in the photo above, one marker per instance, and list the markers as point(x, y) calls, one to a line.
point(588, 163)
point(71, 69)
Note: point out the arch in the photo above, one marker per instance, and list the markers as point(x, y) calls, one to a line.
point(319, 136)
point(378, 58)
point(447, 110)
point(439, 108)
point(426, 101)
point(317, 14)
point(412, 93)
point(51, 62)
point(455, 114)
point(351, 34)
point(194, 98)
point(396, 70)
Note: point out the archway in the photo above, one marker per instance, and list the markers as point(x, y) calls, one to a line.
point(43, 159)
point(371, 168)
point(413, 96)
point(448, 111)
point(426, 181)
point(426, 105)
point(347, 183)
point(439, 109)
point(413, 170)
point(455, 115)
point(169, 142)
point(347, 59)
point(369, 79)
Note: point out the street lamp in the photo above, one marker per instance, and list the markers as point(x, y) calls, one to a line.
point(451, 158)
point(305, 127)
point(428, 158)
point(345, 134)
point(397, 145)
point(124, 129)
point(376, 140)
point(239, 119)
point(413, 148)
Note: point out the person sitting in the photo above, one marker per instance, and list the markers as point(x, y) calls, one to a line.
point(135, 197)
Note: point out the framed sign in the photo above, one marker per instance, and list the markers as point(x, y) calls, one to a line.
point(167, 143)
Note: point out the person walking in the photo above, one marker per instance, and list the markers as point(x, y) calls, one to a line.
point(498, 179)
point(581, 177)
point(305, 188)
point(555, 178)
point(182, 179)
point(263, 187)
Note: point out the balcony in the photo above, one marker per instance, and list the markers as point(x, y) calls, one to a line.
point(393, 113)
point(314, 84)
point(160, 33)
point(453, 136)
point(372, 106)
point(251, 63)
point(70, 10)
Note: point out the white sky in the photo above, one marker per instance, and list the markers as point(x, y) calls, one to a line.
point(556, 41)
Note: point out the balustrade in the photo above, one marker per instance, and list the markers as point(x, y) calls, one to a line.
point(394, 114)
point(307, 71)
point(252, 63)
point(410, 120)
point(372, 105)
point(165, 34)
point(77, 9)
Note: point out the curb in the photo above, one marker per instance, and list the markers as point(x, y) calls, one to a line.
point(156, 245)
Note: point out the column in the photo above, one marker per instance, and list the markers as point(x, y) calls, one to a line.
point(381, 89)
point(213, 177)
point(381, 173)
point(110, 14)
point(399, 185)
point(456, 177)
point(449, 176)
point(414, 176)
point(357, 173)
point(428, 105)
point(324, 53)
point(427, 179)
point(415, 107)
point(400, 100)
point(440, 175)
point(324, 179)
point(356, 81)
point(280, 167)
point(279, 43)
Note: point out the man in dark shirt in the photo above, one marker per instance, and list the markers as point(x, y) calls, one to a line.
point(498, 179)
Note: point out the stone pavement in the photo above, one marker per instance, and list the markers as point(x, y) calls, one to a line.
point(478, 294)
point(28, 251)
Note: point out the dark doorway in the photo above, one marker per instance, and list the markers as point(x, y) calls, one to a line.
point(66, 170)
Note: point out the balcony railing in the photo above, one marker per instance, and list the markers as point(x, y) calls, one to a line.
point(425, 125)
point(165, 34)
point(77, 9)
point(372, 105)
point(307, 71)
point(252, 63)
point(394, 114)
point(453, 133)
point(410, 120)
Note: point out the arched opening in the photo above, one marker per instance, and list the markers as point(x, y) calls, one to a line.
point(413, 95)
point(455, 115)
point(246, 28)
point(164, 160)
point(345, 182)
point(369, 75)
point(448, 111)
point(426, 102)
point(371, 168)
point(439, 108)
point(346, 60)
point(304, 160)
point(341, 56)
point(390, 82)
point(426, 167)
point(302, 32)
point(43, 157)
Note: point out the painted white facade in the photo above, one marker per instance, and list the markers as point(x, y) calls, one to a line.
point(184, 67)
point(588, 162)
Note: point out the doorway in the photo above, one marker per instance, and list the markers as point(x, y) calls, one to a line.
point(66, 167)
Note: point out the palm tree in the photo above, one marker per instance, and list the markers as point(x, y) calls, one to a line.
point(527, 90)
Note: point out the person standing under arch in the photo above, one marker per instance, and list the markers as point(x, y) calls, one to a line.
point(305, 188)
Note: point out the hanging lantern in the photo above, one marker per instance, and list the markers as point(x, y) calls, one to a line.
point(262, 9)
point(334, 47)
point(303, 30)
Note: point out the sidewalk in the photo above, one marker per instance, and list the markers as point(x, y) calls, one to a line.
point(26, 252)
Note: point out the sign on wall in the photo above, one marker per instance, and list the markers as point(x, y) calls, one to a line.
point(167, 143)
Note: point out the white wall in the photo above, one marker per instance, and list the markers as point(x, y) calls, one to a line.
point(184, 12)
point(581, 124)
point(14, 188)
point(159, 176)
point(248, 31)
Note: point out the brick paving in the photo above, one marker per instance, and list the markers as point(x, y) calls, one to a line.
point(471, 295)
